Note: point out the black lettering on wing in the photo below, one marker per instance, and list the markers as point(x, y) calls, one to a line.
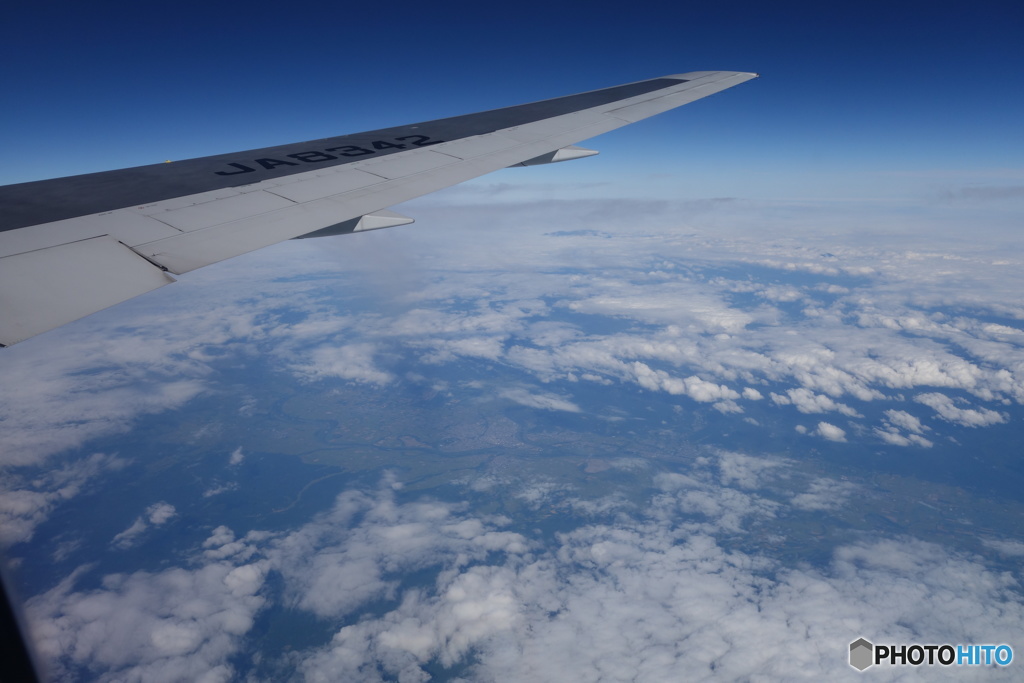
point(242, 168)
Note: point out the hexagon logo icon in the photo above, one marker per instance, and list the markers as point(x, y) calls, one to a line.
point(861, 654)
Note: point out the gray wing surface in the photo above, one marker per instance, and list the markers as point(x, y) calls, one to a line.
point(73, 246)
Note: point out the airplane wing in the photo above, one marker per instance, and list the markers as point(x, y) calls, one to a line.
point(73, 246)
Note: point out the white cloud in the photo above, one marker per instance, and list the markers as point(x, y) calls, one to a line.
point(445, 351)
point(160, 513)
point(830, 431)
point(332, 568)
point(1006, 547)
point(703, 310)
point(173, 625)
point(218, 489)
point(57, 408)
point(781, 293)
point(538, 492)
point(351, 361)
point(540, 400)
point(744, 470)
point(946, 408)
point(808, 402)
point(127, 538)
point(824, 494)
point(897, 419)
point(694, 387)
point(901, 418)
point(156, 514)
point(895, 438)
point(237, 457)
point(727, 406)
point(701, 494)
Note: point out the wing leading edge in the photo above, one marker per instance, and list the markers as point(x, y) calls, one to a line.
point(73, 246)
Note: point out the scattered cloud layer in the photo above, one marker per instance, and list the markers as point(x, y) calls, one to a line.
point(874, 343)
point(660, 589)
point(25, 502)
point(817, 323)
point(851, 323)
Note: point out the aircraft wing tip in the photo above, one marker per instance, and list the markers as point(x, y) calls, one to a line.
point(693, 75)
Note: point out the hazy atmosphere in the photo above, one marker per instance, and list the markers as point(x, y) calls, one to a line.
point(709, 406)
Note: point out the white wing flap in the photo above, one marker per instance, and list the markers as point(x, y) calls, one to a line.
point(239, 207)
point(187, 200)
point(125, 225)
point(326, 185)
point(478, 145)
point(406, 163)
point(101, 272)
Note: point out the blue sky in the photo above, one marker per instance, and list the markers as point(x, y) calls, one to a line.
point(857, 101)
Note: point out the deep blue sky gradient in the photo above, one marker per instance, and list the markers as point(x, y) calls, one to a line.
point(851, 97)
